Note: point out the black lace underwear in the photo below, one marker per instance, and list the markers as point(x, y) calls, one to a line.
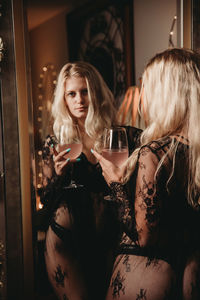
point(63, 233)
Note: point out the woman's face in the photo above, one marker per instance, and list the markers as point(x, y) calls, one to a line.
point(76, 97)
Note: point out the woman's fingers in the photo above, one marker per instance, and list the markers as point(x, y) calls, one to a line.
point(60, 161)
point(60, 166)
point(60, 156)
point(109, 170)
point(103, 162)
point(55, 152)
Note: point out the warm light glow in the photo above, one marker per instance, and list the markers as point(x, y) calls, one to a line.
point(44, 104)
point(40, 205)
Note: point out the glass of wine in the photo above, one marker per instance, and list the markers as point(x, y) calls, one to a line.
point(115, 147)
point(73, 141)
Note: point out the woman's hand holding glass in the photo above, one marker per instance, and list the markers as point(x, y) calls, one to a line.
point(60, 161)
point(68, 151)
point(110, 171)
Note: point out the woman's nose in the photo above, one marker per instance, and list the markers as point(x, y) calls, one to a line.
point(80, 98)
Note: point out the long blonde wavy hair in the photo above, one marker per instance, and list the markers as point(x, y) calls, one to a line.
point(171, 104)
point(101, 110)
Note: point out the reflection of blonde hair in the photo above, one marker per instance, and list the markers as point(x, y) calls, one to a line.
point(128, 110)
point(171, 100)
point(101, 111)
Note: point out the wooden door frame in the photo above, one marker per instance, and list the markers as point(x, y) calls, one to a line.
point(16, 154)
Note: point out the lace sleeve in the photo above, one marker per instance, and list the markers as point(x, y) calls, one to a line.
point(48, 172)
point(51, 190)
point(51, 181)
point(147, 199)
point(119, 194)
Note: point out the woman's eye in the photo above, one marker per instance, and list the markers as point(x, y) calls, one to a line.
point(85, 92)
point(71, 94)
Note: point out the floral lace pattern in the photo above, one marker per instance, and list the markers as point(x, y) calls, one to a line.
point(84, 172)
point(120, 195)
point(78, 256)
point(159, 229)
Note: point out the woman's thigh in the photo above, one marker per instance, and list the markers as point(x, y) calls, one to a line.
point(64, 272)
point(139, 277)
point(191, 278)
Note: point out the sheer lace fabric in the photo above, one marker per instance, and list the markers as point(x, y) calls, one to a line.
point(158, 255)
point(82, 229)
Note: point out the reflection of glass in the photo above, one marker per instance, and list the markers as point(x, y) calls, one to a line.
point(74, 142)
point(115, 147)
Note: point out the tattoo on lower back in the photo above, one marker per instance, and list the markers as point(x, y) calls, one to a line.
point(117, 285)
point(142, 295)
point(126, 263)
point(59, 275)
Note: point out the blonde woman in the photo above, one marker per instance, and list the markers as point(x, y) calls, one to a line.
point(79, 235)
point(158, 192)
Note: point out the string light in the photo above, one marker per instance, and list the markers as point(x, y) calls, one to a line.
point(40, 205)
point(48, 71)
point(171, 44)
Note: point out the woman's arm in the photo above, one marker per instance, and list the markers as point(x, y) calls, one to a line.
point(147, 204)
point(51, 184)
point(119, 193)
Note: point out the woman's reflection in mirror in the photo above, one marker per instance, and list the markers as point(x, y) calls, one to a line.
point(81, 227)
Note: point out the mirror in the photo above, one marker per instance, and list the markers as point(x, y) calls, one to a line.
point(50, 50)
point(54, 35)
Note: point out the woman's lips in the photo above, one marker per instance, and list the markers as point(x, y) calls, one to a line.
point(81, 108)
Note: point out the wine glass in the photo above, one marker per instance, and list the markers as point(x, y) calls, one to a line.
point(115, 147)
point(70, 139)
